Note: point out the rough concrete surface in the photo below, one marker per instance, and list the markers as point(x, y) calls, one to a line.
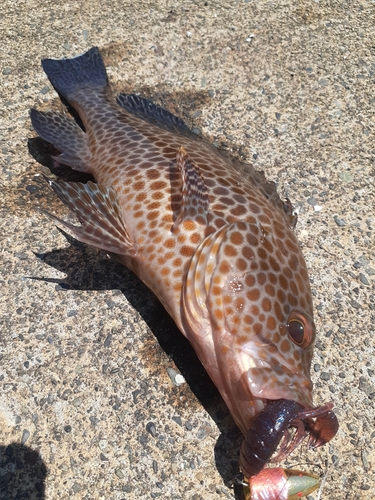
point(90, 407)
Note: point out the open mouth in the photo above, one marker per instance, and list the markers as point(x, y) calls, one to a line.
point(276, 381)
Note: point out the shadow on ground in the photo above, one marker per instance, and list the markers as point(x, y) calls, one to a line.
point(22, 473)
point(88, 269)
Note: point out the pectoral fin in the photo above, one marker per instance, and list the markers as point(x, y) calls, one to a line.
point(194, 202)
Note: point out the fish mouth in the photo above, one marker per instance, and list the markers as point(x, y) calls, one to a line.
point(272, 380)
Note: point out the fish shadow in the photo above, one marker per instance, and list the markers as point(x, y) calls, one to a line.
point(22, 473)
point(87, 268)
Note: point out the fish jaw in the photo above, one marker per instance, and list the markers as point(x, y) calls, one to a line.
point(239, 331)
point(273, 379)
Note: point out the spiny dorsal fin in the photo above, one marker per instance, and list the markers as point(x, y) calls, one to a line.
point(195, 202)
point(97, 209)
point(267, 188)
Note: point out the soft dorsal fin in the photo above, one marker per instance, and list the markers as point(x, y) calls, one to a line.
point(195, 201)
point(97, 209)
point(147, 110)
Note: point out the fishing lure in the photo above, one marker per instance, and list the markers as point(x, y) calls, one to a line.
point(280, 484)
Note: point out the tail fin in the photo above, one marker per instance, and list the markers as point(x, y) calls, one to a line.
point(66, 75)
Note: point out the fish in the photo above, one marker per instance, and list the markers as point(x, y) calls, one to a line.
point(208, 234)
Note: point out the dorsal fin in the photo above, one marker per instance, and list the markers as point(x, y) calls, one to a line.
point(269, 191)
point(147, 110)
point(265, 187)
point(195, 201)
point(97, 209)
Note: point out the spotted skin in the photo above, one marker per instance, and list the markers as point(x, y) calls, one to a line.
point(207, 234)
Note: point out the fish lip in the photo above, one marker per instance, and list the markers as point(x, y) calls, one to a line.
point(286, 384)
point(270, 376)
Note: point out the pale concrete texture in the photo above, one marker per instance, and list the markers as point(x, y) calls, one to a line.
point(88, 356)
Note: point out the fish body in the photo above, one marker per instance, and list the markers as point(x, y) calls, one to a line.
point(208, 235)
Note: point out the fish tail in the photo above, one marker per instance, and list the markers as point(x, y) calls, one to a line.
point(68, 75)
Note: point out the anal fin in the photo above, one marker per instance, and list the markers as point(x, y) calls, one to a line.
point(65, 135)
point(98, 211)
point(195, 201)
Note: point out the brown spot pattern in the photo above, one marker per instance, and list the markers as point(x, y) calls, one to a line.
point(202, 229)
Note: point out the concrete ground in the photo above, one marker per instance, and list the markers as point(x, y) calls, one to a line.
point(90, 405)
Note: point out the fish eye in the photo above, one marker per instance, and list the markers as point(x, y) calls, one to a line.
point(296, 331)
point(301, 329)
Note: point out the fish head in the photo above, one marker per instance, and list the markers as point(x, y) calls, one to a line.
point(277, 358)
point(248, 293)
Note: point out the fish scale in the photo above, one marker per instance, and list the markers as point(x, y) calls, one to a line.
point(207, 234)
